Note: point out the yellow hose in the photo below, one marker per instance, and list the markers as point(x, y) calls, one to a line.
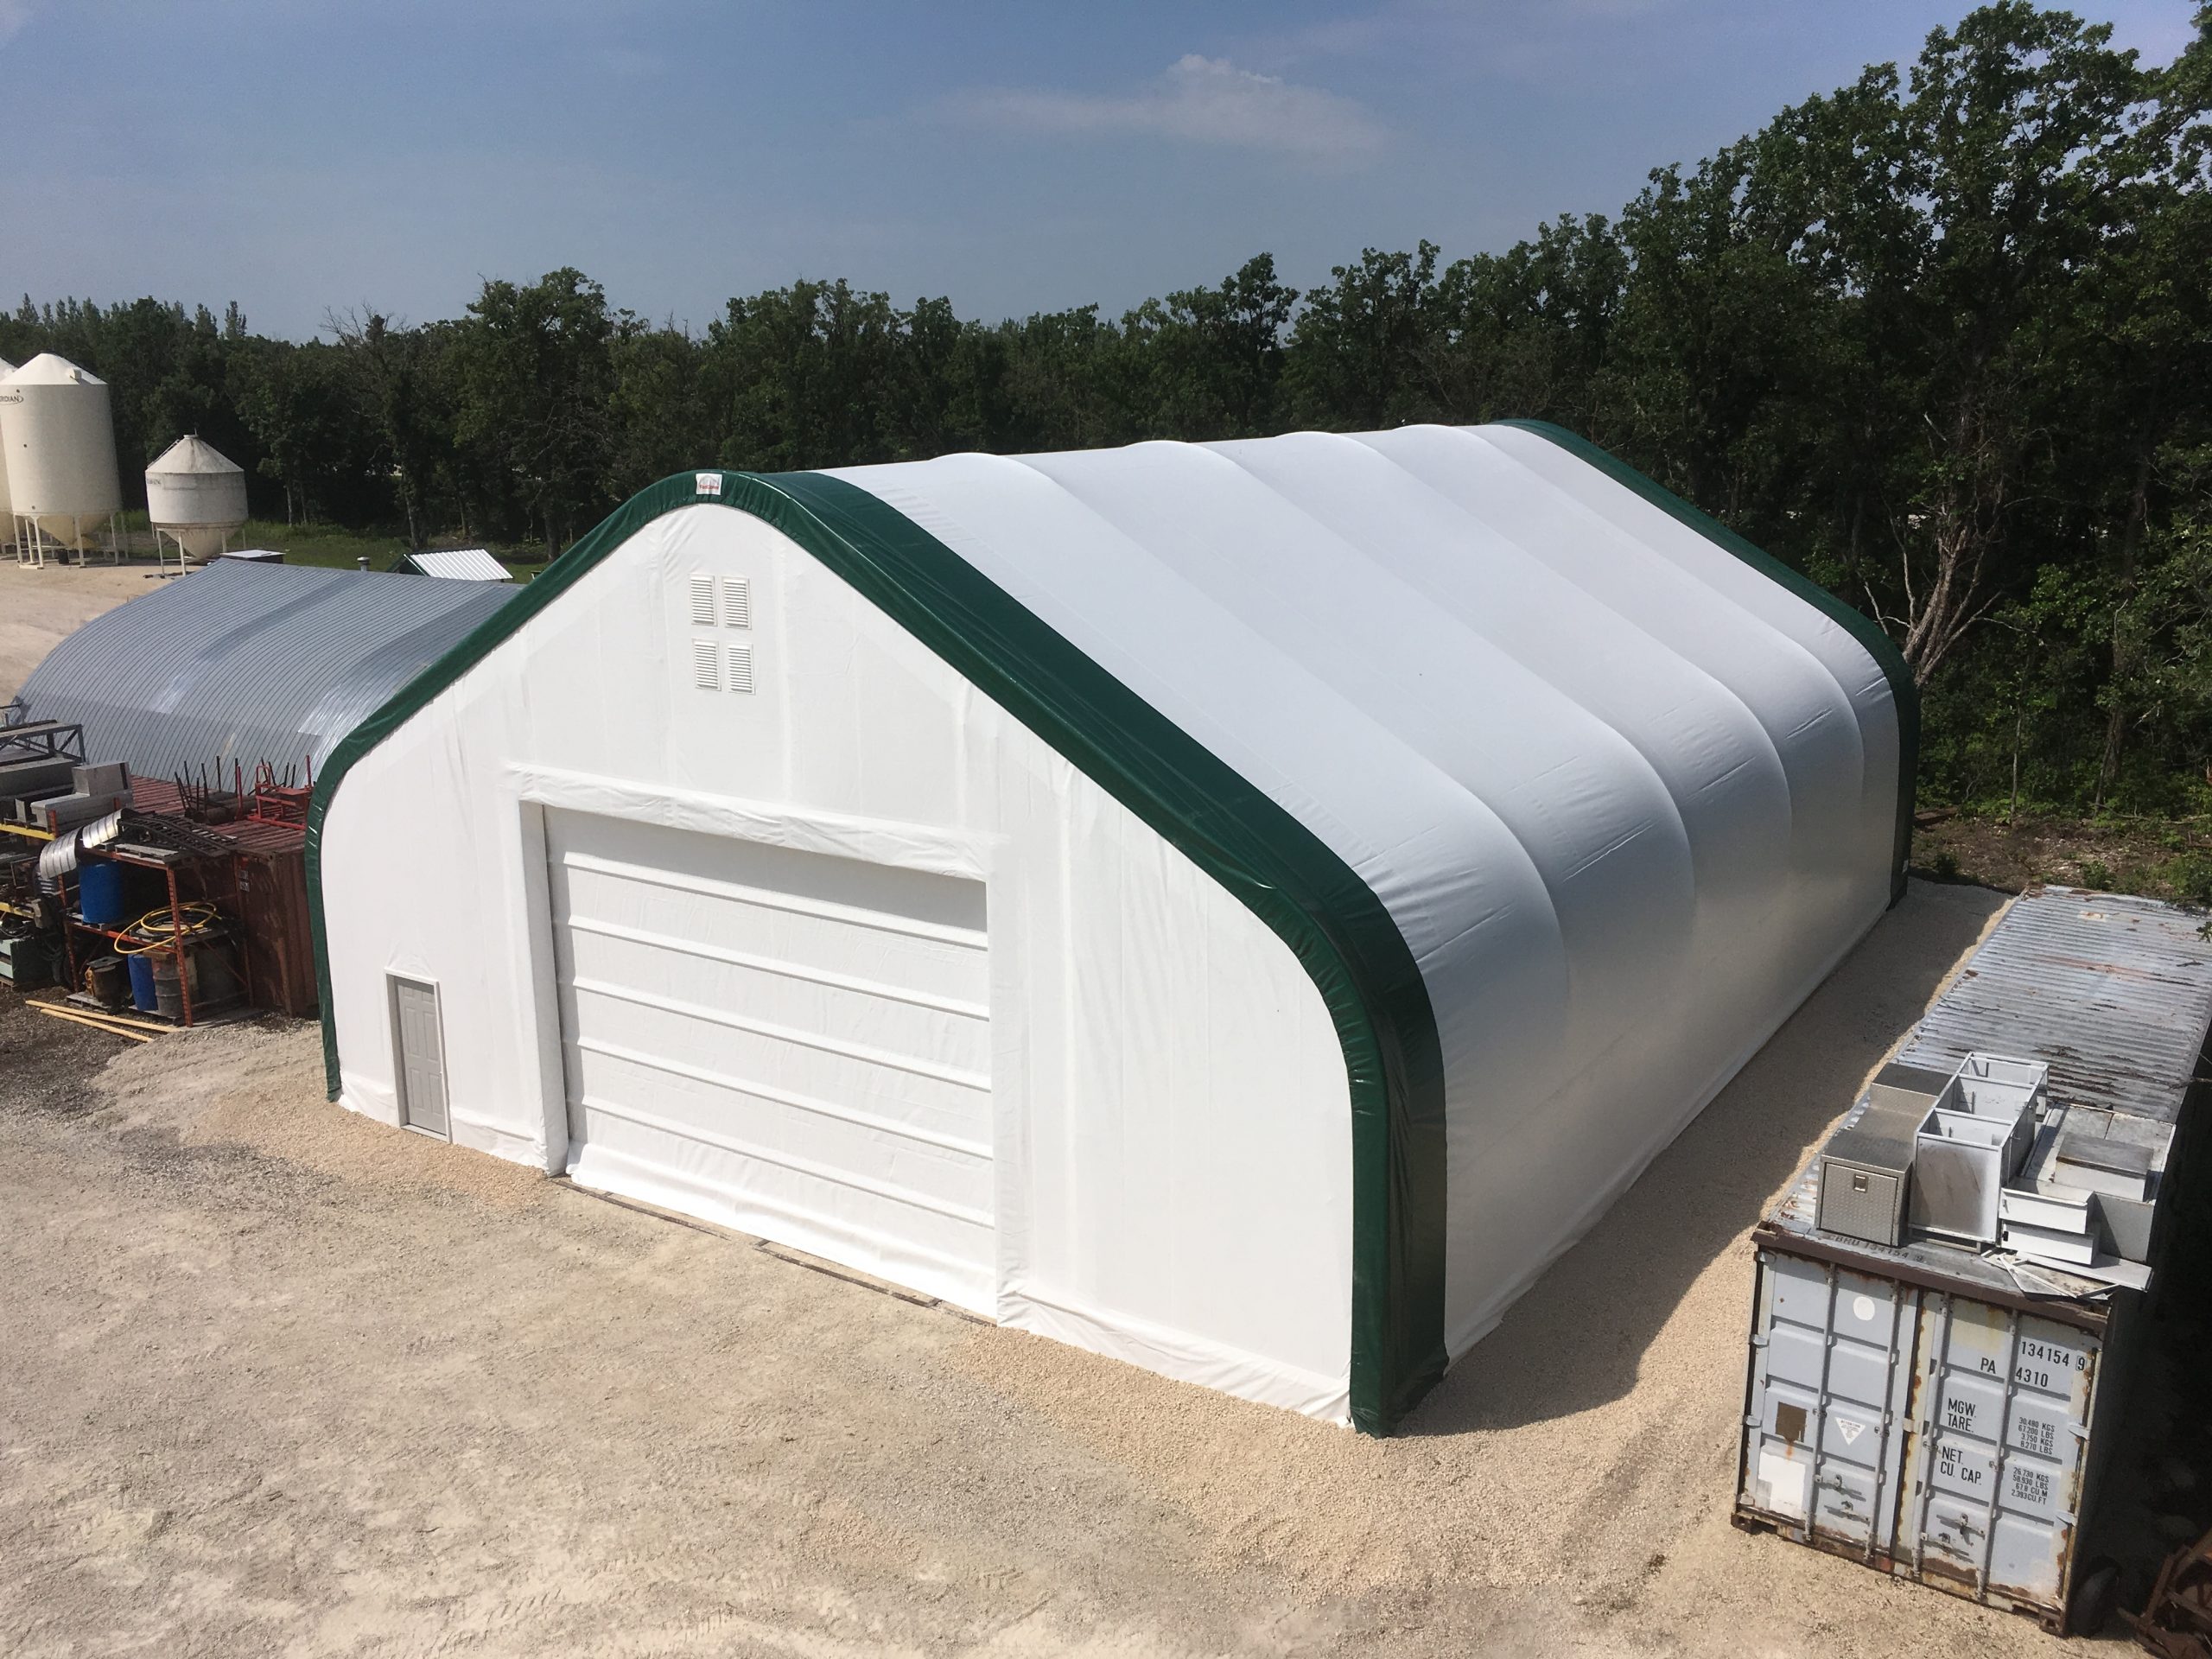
point(153, 931)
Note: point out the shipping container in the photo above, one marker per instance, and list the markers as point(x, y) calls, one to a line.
point(1946, 1409)
point(1937, 1435)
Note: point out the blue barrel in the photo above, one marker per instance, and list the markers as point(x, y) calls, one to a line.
point(99, 894)
point(142, 982)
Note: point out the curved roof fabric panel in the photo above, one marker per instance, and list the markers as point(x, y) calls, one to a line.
point(1564, 797)
point(244, 662)
point(1626, 797)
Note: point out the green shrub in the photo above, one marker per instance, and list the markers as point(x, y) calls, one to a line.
point(2095, 873)
point(1945, 865)
point(2190, 875)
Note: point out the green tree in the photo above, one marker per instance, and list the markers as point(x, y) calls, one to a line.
point(301, 404)
point(533, 370)
point(1367, 350)
point(405, 392)
point(1950, 222)
point(1208, 362)
point(801, 376)
point(1527, 332)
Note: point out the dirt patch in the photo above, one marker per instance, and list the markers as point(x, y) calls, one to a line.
point(2168, 859)
point(276, 1379)
point(44, 1062)
point(42, 606)
point(260, 1086)
point(1589, 1440)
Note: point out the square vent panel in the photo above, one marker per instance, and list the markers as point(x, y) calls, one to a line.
point(702, 601)
point(737, 603)
point(707, 665)
point(741, 668)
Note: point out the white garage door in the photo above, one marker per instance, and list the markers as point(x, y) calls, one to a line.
point(792, 1045)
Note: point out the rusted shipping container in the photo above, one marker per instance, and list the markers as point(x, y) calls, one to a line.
point(1931, 1433)
point(265, 896)
point(1947, 1411)
point(272, 881)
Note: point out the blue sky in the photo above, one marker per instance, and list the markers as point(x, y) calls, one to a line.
point(300, 156)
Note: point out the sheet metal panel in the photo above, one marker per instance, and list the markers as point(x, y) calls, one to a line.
point(2111, 990)
point(458, 564)
point(246, 663)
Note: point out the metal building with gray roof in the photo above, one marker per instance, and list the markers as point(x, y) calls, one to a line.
point(244, 662)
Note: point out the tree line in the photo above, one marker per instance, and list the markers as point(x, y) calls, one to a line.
point(1942, 338)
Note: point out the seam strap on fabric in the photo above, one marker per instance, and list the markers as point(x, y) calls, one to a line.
point(1870, 634)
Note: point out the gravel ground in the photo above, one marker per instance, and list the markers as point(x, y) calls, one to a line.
point(274, 1379)
point(40, 608)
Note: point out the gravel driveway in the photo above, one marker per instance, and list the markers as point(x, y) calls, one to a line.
point(278, 1380)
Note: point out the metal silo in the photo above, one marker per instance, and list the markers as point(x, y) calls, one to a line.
point(7, 511)
point(195, 496)
point(59, 435)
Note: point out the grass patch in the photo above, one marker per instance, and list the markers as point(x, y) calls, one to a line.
point(322, 545)
point(328, 547)
point(333, 548)
point(2158, 858)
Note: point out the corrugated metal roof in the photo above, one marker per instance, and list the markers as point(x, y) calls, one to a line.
point(2114, 993)
point(457, 564)
point(250, 662)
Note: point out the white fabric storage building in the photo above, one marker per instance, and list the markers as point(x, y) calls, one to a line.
point(1244, 908)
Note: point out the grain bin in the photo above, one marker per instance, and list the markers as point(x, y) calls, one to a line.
point(1945, 1409)
point(59, 433)
point(7, 511)
point(195, 497)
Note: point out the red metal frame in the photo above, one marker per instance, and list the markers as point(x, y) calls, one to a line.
point(71, 896)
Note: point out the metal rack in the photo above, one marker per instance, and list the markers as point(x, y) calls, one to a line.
point(41, 739)
point(178, 948)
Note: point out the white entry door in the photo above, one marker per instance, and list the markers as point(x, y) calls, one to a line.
point(792, 1045)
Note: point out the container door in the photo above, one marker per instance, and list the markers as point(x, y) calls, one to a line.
point(1829, 1379)
point(2006, 1416)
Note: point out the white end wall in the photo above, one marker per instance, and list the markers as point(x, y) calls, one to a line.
point(1173, 1152)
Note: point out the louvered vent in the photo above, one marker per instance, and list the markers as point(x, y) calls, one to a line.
point(741, 668)
point(706, 666)
point(737, 603)
point(702, 601)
